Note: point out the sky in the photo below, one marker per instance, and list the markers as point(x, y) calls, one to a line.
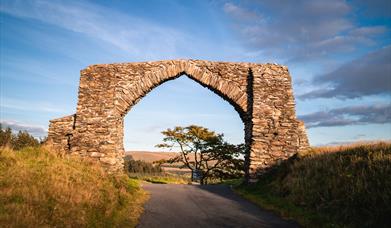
point(338, 54)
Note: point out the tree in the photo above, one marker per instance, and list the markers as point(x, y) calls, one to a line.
point(24, 139)
point(16, 141)
point(203, 151)
point(133, 166)
point(5, 136)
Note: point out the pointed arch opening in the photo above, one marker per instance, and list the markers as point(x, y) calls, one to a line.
point(180, 101)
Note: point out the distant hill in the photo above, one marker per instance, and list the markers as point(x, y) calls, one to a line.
point(149, 156)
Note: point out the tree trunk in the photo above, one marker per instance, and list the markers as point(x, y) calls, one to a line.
point(192, 173)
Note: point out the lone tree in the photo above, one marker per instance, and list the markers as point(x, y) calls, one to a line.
point(204, 152)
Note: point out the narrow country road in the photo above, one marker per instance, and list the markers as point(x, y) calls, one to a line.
point(203, 206)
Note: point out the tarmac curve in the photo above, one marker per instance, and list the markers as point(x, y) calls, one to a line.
point(188, 206)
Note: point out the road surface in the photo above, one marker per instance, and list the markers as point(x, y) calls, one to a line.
point(191, 206)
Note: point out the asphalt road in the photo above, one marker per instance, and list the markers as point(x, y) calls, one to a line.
point(203, 206)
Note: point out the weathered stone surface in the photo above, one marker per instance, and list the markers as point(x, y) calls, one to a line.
point(260, 93)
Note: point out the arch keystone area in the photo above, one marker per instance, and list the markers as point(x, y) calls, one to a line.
point(260, 93)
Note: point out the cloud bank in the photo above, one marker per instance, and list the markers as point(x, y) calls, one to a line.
point(133, 35)
point(368, 75)
point(34, 130)
point(301, 30)
point(352, 115)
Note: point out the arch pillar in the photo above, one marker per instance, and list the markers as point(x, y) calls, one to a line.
point(276, 134)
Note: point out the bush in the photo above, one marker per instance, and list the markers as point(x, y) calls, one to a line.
point(39, 188)
point(142, 167)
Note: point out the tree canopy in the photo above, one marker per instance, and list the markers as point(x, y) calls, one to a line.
point(205, 152)
point(16, 141)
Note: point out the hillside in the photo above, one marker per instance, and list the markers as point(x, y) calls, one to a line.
point(149, 156)
point(347, 186)
point(40, 188)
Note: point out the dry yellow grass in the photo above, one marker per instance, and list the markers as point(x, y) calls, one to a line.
point(344, 147)
point(39, 188)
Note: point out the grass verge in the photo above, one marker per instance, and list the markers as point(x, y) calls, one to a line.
point(159, 178)
point(39, 188)
point(330, 187)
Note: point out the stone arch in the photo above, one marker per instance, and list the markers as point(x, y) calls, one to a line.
point(129, 93)
point(260, 93)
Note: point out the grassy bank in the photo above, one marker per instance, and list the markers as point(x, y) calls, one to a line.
point(39, 188)
point(346, 186)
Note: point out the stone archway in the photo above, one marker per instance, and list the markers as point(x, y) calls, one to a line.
point(260, 93)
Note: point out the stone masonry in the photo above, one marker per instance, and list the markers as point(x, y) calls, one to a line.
point(260, 93)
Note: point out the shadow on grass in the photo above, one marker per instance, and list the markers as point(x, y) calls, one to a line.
point(340, 187)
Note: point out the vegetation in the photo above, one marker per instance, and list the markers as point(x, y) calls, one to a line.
point(16, 141)
point(133, 166)
point(151, 172)
point(160, 178)
point(39, 188)
point(329, 187)
point(212, 156)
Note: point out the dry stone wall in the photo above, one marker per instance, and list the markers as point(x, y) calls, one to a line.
point(260, 93)
point(60, 132)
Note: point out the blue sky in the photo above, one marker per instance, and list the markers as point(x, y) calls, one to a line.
point(338, 53)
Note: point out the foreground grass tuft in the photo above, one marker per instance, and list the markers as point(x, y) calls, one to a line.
point(331, 187)
point(39, 188)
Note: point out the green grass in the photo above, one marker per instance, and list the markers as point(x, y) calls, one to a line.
point(330, 187)
point(264, 196)
point(160, 178)
point(39, 188)
point(232, 182)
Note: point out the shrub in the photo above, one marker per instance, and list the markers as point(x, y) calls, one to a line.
point(133, 166)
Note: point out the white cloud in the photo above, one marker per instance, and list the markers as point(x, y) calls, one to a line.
point(350, 115)
point(16, 104)
point(131, 34)
point(302, 31)
point(369, 30)
point(34, 130)
point(240, 13)
point(368, 75)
